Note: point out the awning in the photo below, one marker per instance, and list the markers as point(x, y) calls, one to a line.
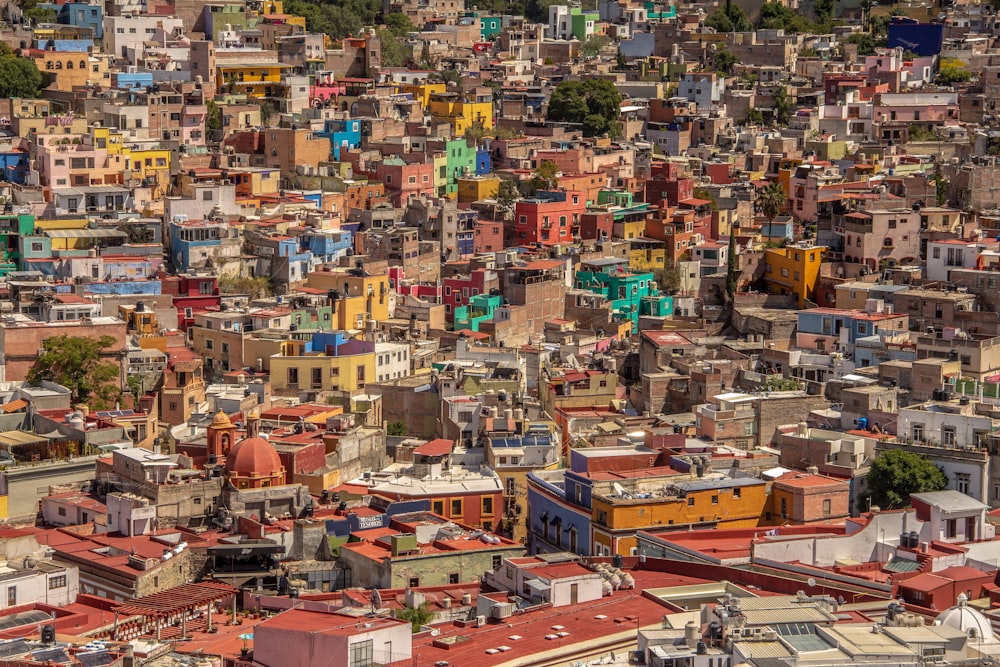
point(245, 549)
point(537, 585)
point(85, 234)
point(14, 406)
point(15, 438)
point(902, 565)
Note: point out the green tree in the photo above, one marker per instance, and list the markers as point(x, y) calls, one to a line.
point(776, 16)
point(256, 287)
point(895, 474)
point(731, 270)
point(941, 185)
point(780, 383)
point(782, 106)
point(398, 24)
point(866, 42)
point(393, 52)
point(669, 277)
point(951, 71)
point(593, 45)
point(213, 116)
point(75, 362)
point(729, 18)
point(417, 616)
point(507, 196)
point(725, 61)
point(397, 429)
point(754, 117)
point(546, 176)
point(19, 77)
point(593, 103)
point(267, 111)
point(771, 200)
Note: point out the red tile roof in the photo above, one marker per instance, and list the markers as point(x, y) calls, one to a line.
point(437, 447)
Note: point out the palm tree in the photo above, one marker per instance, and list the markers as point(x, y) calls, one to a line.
point(771, 200)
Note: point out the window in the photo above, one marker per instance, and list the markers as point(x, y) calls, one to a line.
point(453, 578)
point(293, 377)
point(438, 507)
point(413, 582)
point(12, 596)
point(209, 344)
point(962, 483)
point(917, 431)
point(361, 653)
point(784, 272)
point(497, 561)
point(691, 502)
point(715, 500)
point(487, 505)
point(784, 508)
point(827, 507)
point(737, 492)
point(456, 507)
point(57, 582)
point(951, 528)
point(62, 511)
point(317, 378)
point(948, 436)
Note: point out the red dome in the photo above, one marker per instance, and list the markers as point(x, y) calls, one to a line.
point(253, 457)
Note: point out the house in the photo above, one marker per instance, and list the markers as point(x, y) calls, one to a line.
point(835, 329)
point(794, 270)
point(550, 218)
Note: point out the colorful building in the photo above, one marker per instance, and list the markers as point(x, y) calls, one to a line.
point(794, 270)
point(463, 109)
point(630, 294)
point(479, 309)
point(550, 218)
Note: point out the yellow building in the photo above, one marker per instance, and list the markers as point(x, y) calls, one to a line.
point(794, 270)
point(717, 503)
point(422, 91)
point(251, 79)
point(474, 188)
point(463, 109)
point(359, 298)
point(629, 230)
point(296, 370)
point(645, 255)
point(440, 161)
point(68, 69)
point(151, 165)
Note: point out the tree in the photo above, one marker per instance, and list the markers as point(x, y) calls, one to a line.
point(398, 24)
point(267, 111)
point(213, 116)
point(866, 42)
point(776, 16)
point(951, 71)
point(896, 474)
point(782, 106)
point(75, 362)
point(754, 117)
point(729, 19)
point(507, 196)
point(593, 45)
point(546, 176)
point(725, 61)
point(731, 267)
point(771, 200)
point(393, 53)
point(417, 616)
point(940, 188)
point(669, 277)
point(593, 103)
point(397, 429)
point(475, 133)
point(256, 287)
point(19, 77)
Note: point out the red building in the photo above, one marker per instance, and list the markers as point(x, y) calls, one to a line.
point(459, 289)
point(487, 236)
point(666, 183)
point(404, 181)
point(596, 225)
point(549, 219)
point(192, 294)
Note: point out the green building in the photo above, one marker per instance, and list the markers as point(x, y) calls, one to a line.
point(630, 294)
point(479, 309)
point(461, 162)
point(13, 228)
point(489, 27)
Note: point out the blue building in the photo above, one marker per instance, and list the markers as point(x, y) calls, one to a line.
point(131, 80)
point(484, 164)
point(560, 502)
point(326, 245)
point(79, 15)
point(14, 165)
point(923, 39)
point(342, 134)
point(838, 329)
point(192, 243)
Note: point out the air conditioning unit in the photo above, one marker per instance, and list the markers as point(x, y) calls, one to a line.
point(480, 621)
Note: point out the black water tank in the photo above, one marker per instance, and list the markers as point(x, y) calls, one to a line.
point(617, 561)
point(48, 634)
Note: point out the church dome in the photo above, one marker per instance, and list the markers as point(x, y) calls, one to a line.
point(253, 457)
point(963, 617)
point(221, 420)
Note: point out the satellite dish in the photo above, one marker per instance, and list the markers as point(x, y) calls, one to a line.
point(619, 489)
point(811, 582)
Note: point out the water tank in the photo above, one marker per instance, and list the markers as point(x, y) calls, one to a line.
point(617, 560)
point(467, 599)
point(508, 414)
point(519, 414)
point(862, 423)
point(78, 421)
point(914, 539)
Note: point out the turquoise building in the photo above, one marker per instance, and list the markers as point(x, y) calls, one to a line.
point(630, 294)
point(461, 161)
point(479, 309)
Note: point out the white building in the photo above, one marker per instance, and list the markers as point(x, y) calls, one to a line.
point(392, 361)
point(948, 254)
point(123, 34)
point(705, 89)
point(559, 582)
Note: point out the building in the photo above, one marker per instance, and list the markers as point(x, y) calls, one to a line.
point(794, 270)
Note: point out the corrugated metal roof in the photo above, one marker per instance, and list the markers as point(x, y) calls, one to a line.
point(768, 650)
point(85, 234)
point(786, 615)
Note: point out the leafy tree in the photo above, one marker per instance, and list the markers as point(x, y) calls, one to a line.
point(824, 11)
point(75, 362)
point(593, 45)
point(594, 103)
point(397, 429)
point(398, 24)
point(417, 616)
point(267, 111)
point(782, 106)
point(393, 53)
point(669, 277)
point(865, 42)
point(19, 77)
point(546, 176)
point(754, 117)
point(731, 270)
point(771, 200)
point(940, 188)
point(36, 14)
point(776, 16)
point(895, 474)
point(729, 19)
point(507, 196)
point(725, 61)
point(780, 383)
point(475, 133)
point(256, 287)
point(213, 116)
point(951, 71)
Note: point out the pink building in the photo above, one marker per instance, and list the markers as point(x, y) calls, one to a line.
point(880, 238)
point(405, 181)
point(73, 160)
point(458, 290)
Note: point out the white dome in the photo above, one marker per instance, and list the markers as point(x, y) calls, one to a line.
point(968, 620)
